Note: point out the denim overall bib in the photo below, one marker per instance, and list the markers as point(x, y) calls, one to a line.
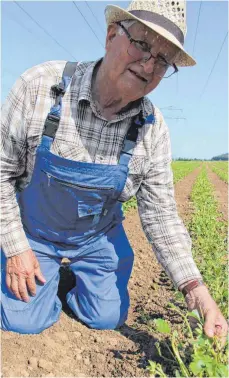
point(71, 209)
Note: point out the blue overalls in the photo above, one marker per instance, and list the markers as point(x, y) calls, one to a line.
point(71, 209)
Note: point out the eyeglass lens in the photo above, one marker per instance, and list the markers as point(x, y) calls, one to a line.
point(160, 68)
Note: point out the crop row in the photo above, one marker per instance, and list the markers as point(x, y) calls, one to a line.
point(193, 354)
point(221, 169)
point(180, 170)
point(220, 164)
point(209, 236)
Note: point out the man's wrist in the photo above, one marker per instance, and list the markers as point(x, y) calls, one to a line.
point(187, 287)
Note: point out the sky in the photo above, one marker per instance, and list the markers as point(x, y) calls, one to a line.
point(194, 102)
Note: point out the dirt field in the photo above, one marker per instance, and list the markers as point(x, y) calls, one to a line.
point(221, 193)
point(71, 349)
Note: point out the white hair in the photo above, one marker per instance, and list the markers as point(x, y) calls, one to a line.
point(127, 24)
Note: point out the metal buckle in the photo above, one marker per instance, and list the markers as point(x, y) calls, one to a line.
point(51, 125)
point(58, 89)
point(54, 118)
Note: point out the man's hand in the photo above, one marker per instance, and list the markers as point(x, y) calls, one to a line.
point(215, 324)
point(21, 271)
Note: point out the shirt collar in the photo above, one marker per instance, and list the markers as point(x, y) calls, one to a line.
point(85, 86)
point(143, 104)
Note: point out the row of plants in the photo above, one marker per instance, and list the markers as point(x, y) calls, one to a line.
point(220, 164)
point(180, 170)
point(221, 169)
point(209, 236)
point(191, 353)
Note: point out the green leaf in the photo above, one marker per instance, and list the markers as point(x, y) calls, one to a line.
point(222, 370)
point(196, 367)
point(177, 374)
point(162, 326)
point(152, 368)
point(194, 314)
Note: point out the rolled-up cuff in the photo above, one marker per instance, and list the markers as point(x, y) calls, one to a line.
point(182, 271)
point(14, 242)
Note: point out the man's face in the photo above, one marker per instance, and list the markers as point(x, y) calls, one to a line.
point(135, 78)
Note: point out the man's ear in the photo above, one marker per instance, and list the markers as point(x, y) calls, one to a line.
point(112, 31)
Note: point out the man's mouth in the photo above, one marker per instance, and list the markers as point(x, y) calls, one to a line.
point(138, 76)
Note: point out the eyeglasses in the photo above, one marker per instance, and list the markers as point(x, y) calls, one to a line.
point(140, 50)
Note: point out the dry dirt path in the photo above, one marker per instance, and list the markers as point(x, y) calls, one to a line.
point(71, 349)
point(182, 194)
point(221, 192)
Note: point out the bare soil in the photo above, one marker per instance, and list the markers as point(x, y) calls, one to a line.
point(69, 348)
point(182, 194)
point(220, 191)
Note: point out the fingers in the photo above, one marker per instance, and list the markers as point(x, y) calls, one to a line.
point(21, 272)
point(19, 286)
point(221, 329)
point(209, 326)
point(14, 286)
point(22, 288)
point(39, 275)
point(31, 284)
point(8, 281)
point(216, 325)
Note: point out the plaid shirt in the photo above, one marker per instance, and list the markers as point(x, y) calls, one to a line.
point(84, 135)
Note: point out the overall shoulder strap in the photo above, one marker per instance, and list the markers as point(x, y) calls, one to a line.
point(131, 137)
point(53, 118)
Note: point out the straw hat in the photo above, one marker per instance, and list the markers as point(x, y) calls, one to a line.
point(166, 17)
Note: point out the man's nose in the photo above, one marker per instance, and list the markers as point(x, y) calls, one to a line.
point(149, 65)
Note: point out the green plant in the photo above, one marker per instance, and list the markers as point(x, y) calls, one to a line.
point(209, 237)
point(196, 356)
point(221, 169)
point(182, 168)
point(193, 354)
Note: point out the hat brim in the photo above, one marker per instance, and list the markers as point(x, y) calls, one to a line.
point(114, 13)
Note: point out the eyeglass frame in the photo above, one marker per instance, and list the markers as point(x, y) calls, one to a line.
point(151, 56)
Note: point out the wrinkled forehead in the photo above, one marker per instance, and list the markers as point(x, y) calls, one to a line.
point(142, 32)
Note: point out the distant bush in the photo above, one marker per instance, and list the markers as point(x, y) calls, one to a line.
point(221, 157)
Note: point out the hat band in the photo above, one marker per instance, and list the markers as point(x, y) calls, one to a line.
point(160, 20)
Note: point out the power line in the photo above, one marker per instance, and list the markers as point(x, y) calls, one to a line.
point(175, 117)
point(221, 47)
point(94, 16)
point(197, 27)
point(171, 107)
point(28, 30)
point(22, 26)
point(44, 30)
point(88, 24)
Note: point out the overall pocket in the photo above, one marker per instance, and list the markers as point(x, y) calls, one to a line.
point(73, 205)
point(90, 212)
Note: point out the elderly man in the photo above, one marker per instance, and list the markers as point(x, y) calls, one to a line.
point(72, 153)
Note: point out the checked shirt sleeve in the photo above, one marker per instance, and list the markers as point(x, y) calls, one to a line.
point(160, 221)
point(16, 113)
